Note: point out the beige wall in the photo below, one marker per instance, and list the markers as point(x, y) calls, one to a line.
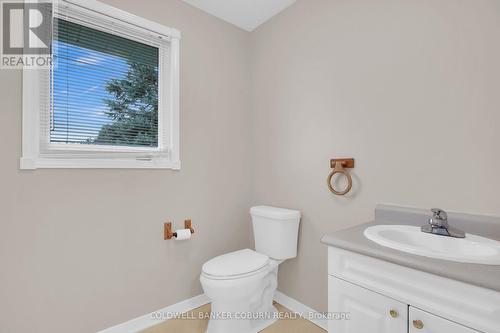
point(81, 250)
point(408, 88)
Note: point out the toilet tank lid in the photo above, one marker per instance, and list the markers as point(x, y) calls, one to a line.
point(274, 212)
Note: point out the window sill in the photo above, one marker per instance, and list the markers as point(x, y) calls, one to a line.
point(115, 163)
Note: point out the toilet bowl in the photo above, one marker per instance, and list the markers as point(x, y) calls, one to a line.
point(241, 284)
point(241, 294)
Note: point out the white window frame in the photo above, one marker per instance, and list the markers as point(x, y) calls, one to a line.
point(39, 152)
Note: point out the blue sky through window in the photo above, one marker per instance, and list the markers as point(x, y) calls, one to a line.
point(80, 76)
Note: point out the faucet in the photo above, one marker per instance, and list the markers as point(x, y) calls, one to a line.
point(438, 225)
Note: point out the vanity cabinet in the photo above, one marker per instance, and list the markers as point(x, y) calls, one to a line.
point(367, 311)
point(366, 294)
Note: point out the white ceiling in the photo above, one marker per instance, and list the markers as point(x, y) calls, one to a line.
point(246, 14)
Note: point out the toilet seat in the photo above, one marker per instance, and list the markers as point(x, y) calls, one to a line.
point(235, 265)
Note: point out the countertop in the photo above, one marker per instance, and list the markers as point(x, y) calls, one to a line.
point(352, 239)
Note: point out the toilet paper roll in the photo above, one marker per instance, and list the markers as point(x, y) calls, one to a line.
point(183, 234)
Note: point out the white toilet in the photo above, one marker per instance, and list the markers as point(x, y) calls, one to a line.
point(241, 284)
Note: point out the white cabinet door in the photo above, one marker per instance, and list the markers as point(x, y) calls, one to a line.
point(424, 322)
point(368, 312)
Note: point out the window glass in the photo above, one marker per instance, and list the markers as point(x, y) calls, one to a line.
point(104, 88)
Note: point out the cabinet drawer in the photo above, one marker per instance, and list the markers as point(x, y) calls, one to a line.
point(368, 311)
point(424, 322)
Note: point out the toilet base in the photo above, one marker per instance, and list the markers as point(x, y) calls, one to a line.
point(243, 325)
point(243, 305)
point(248, 307)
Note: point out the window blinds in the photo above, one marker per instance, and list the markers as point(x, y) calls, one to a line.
point(104, 88)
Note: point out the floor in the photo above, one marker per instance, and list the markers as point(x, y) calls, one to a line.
point(198, 325)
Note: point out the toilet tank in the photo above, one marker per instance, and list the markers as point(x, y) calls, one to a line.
point(275, 231)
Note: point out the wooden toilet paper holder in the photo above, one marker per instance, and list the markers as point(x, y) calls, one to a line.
point(167, 229)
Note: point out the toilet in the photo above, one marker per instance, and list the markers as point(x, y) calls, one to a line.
point(241, 284)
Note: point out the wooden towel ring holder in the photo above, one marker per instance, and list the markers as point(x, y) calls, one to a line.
point(339, 166)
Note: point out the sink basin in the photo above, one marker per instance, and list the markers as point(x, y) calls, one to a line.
point(471, 249)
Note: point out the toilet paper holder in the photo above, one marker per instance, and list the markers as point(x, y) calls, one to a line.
point(169, 234)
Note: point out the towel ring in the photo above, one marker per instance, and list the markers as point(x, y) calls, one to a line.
point(338, 168)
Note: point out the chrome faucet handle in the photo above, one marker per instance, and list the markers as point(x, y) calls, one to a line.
point(439, 218)
point(438, 225)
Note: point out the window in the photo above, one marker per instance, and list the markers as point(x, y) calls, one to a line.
point(104, 89)
point(111, 96)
